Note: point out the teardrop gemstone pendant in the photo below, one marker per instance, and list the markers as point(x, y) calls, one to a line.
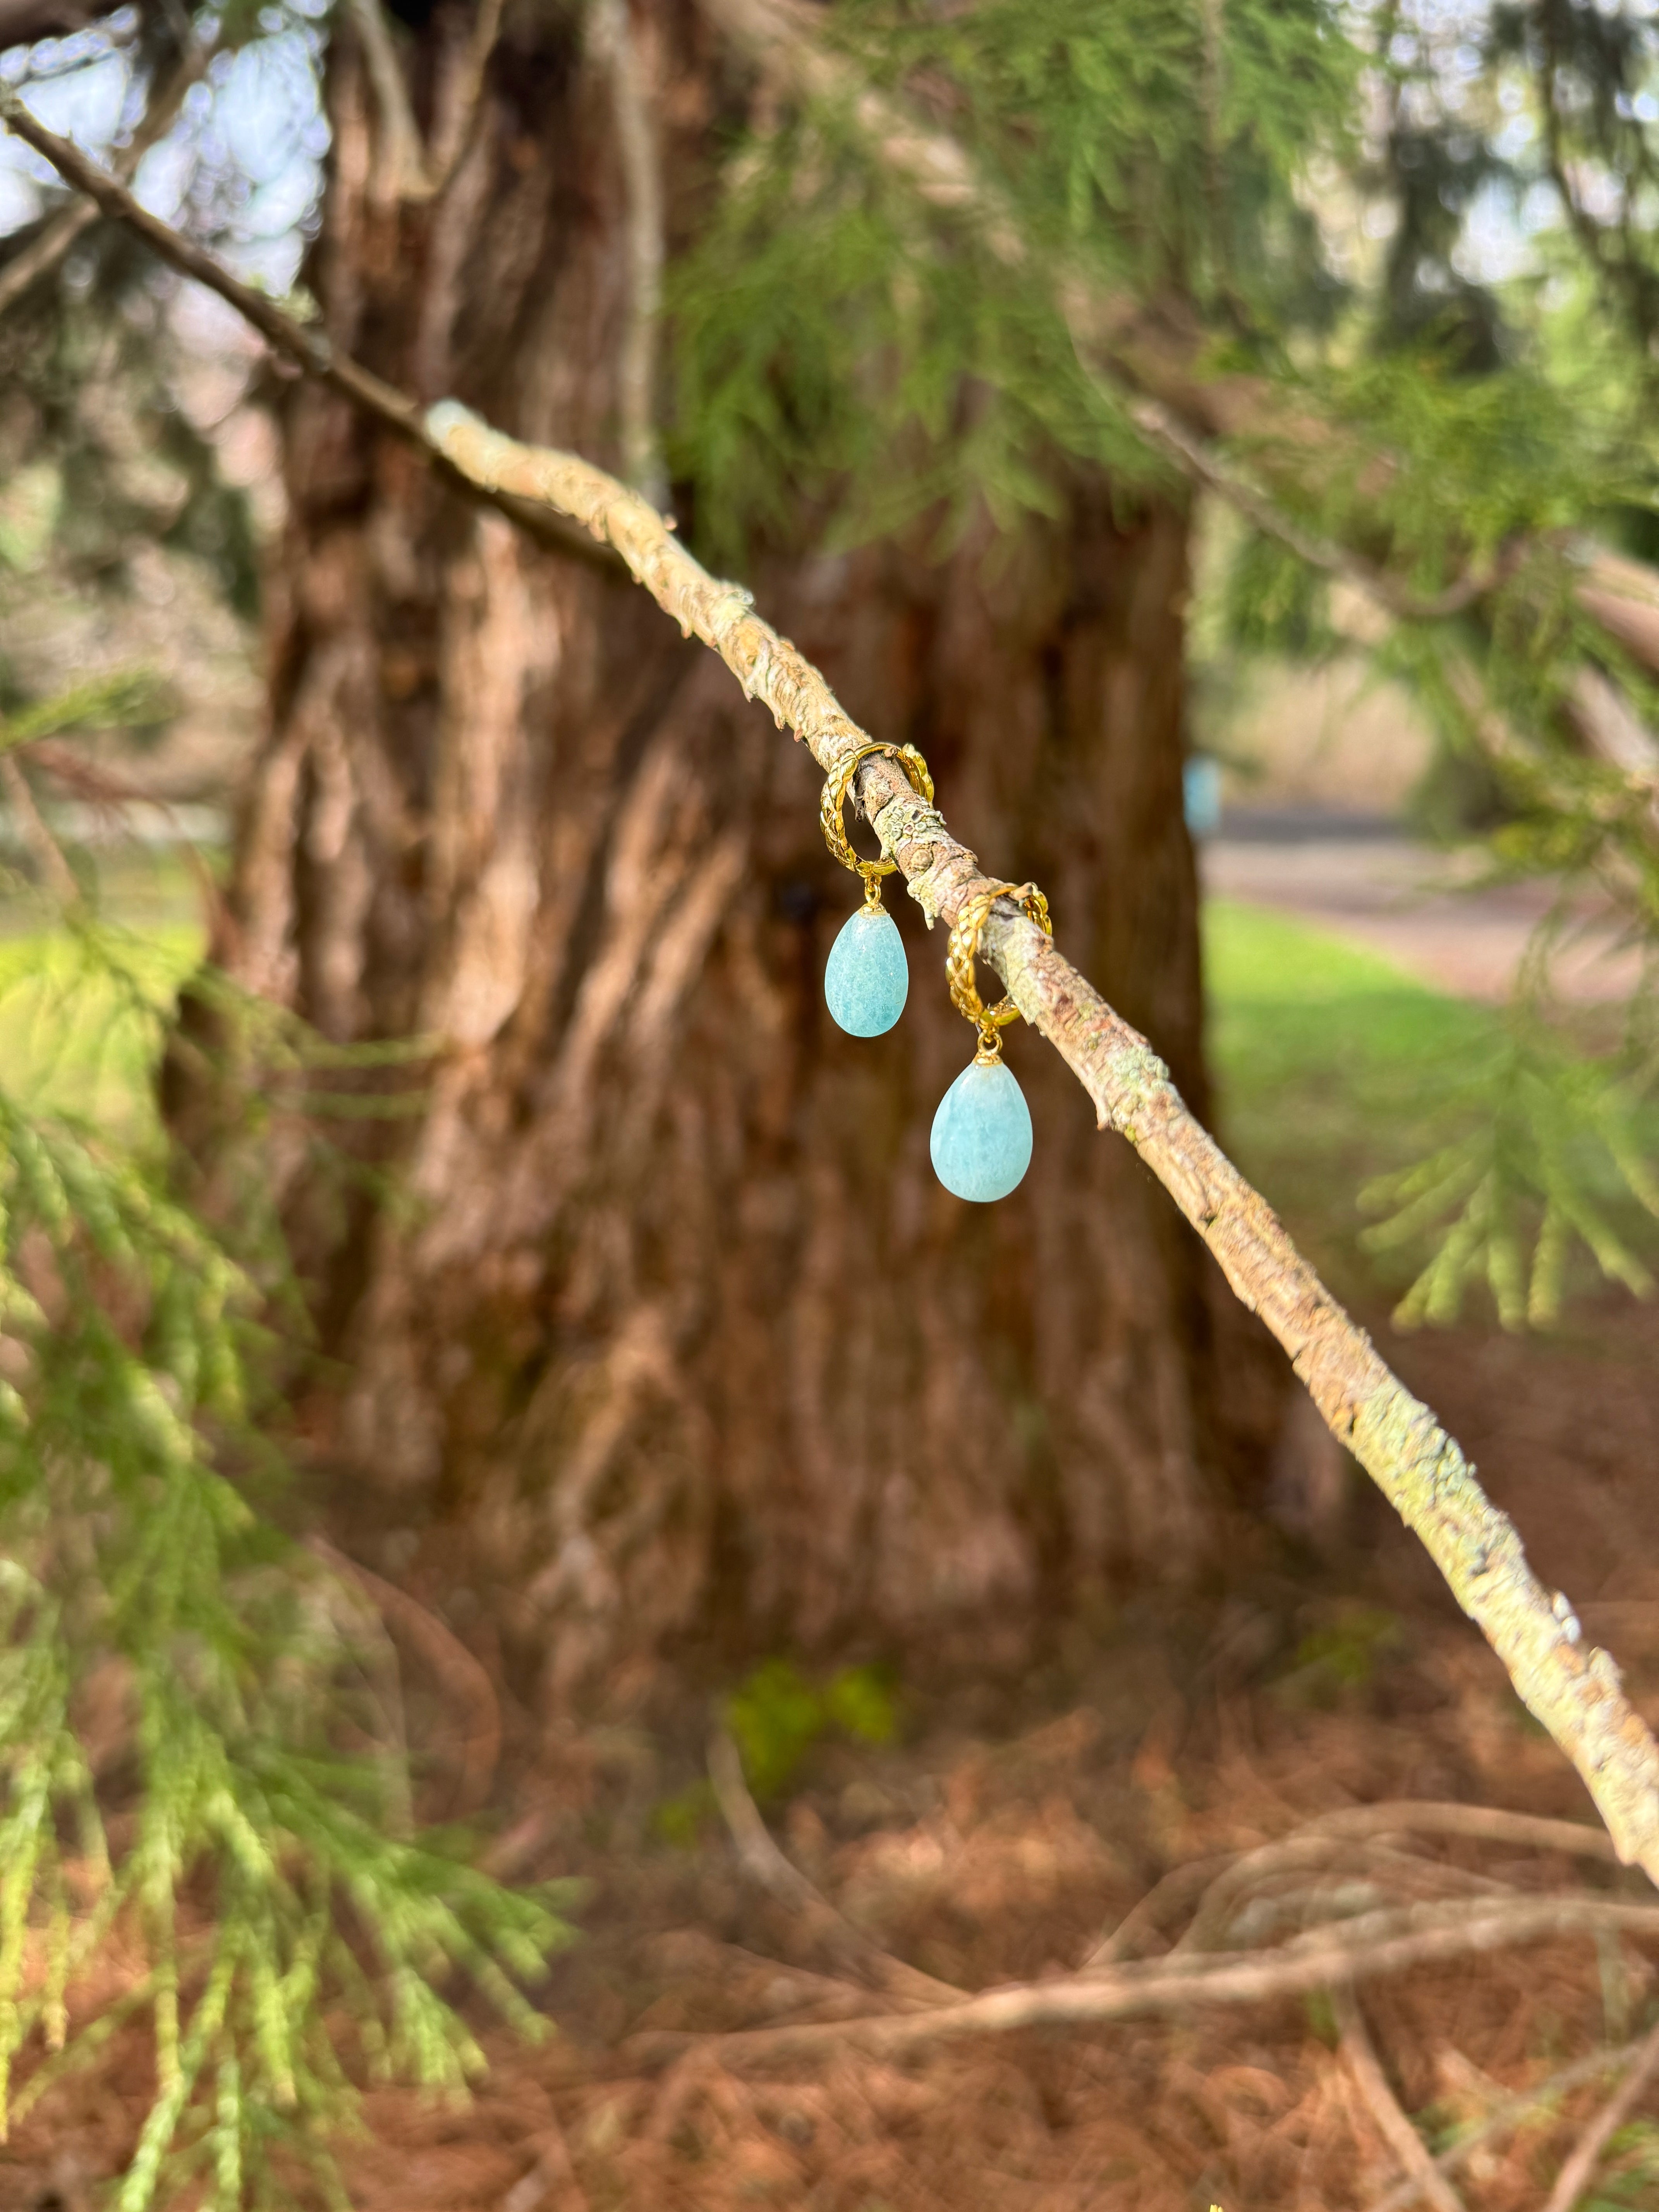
point(867, 978)
point(982, 1139)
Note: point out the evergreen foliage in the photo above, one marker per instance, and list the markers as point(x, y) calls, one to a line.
point(846, 329)
point(200, 1764)
point(1555, 1149)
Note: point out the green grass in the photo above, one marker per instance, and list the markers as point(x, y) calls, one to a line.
point(1328, 1061)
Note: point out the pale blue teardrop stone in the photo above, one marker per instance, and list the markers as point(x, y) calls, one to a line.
point(982, 1139)
point(868, 978)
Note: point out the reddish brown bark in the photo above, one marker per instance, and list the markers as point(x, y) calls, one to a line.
point(677, 1333)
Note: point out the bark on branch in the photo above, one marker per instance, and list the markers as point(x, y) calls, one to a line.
point(1571, 1688)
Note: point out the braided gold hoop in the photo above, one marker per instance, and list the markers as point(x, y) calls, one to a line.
point(959, 961)
point(834, 801)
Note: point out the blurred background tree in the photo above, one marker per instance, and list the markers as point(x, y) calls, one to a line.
point(667, 1332)
point(620, 1313)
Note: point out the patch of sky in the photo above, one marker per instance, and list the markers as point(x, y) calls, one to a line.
point(1495, 247)
point(19, 201)
point(84, 103)
point(240, 168)
point(258, 110)
point(163, 177)
point(1541, 209)
point(1516, 136)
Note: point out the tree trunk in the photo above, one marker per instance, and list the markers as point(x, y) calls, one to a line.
point(672, 1332)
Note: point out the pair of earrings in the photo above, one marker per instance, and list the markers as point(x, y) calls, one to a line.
point(980, 1144)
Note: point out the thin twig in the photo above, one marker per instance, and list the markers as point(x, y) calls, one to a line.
point(1201, 1880)
point(454, 134)
point(1362, 1823)
point(102, 787)
point(1504, 2119)
point(1625, 275)
point(765, 1864)
point(452, 1663)
point(1200, 461)
point(402, 173)
point(1401, 2138)
point(614, 44)
point(555, 2169)
point(1574, 2178)
point(1571, 1688)
point(44, 252)
point(55, 870)
point(1374, 1945)
point(1181, 1887)
point(1487, 1824)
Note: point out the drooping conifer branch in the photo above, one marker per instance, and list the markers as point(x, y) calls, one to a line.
point(1572, 1688)
point(1149, 363)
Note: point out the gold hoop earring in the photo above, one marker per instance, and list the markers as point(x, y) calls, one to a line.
point(867, 979)
point(980, 1144)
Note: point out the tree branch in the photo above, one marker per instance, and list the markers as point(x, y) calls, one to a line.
point(1181, 1887)
point(55, 238)
point(1512, 2113)
point(1574, 1690)
point(1148, 361)
point(765, 1864)
point(455, 1667)
point(24, 23)
point(636, 143)
point(1622, 278)
point(1377, 1944)
point(307, 349)
point(1575, 2176)
point(1363, 1824)
point(1401, 2138)
point(1202, 464)
point(55, 870)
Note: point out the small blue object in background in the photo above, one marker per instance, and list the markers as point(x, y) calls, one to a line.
point(1201, 785)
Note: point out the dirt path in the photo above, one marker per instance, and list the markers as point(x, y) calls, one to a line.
point(1366, 882)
